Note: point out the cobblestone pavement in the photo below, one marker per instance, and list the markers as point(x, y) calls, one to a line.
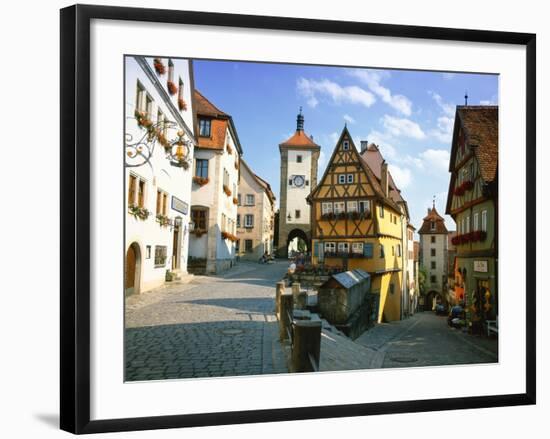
point(426, 340)
point(212, 326)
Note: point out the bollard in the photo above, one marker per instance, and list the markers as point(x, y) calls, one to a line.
point(306, 346)
point(301, 300)
point(295, 292)
point(279, 290)
point(285, 309)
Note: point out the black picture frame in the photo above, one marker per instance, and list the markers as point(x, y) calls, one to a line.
point(75, 217)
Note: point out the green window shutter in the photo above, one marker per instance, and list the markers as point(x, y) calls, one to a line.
point(367, 250)
point(316, 249)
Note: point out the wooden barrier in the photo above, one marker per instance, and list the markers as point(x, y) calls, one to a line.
point(306, 345)
point(285, 315)
point(280, 288)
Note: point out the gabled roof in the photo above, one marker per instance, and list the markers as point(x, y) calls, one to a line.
point(220, 122)
point(261, 182)
point(433, 217)
point(479, 124)
point(373, 181)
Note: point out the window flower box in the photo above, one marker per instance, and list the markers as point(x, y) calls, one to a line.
point(227, 190)
point(229, 237)
point(160, 68)
point(201, 181)
point(163, 220)
point(172, 88)
point(139, 212)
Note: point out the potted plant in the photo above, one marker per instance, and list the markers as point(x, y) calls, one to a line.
point(172, 88)
point(182, 105)
point(138, 212)
point(159, 66)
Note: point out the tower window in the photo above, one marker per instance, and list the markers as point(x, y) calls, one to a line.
point(432, 225)
point(432, 239)
point(297, 214)
point(432, 251)
point(298, 159)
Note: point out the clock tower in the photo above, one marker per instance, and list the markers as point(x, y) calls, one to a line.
point(299, 162)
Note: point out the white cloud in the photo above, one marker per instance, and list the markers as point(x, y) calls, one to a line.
point(312, 89)
point(348, 118)
point(333, 137)
point(372, 80)
point(444, 130)
point(402, 176)
point(382, 140)
point(448, 109)
point(448, 76)
point(401, 127)
point(437, 159)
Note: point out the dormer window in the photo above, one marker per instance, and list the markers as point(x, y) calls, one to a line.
point(432, 225)
point(204, 127)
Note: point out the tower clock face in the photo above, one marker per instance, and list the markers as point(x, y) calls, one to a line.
point(298, 180)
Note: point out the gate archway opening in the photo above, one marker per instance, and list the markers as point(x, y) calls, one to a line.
point(297, 242)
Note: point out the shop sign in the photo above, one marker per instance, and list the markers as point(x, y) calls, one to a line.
point(180, 205)
point(480, 266)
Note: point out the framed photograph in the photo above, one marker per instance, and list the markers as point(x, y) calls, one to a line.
point(276, 218)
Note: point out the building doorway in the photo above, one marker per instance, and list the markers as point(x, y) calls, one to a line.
point(297, 242)
point(176, 245)
point(132, 270)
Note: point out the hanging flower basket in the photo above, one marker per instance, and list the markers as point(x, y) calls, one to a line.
point(229, 149)
point(139, 212)
point(172, 88)
point(182, 105)
point(236, 166)
point(160, 68)
point(201, 181)
point(227, 190)
point(235, 200)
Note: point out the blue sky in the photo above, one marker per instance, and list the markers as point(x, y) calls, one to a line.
point(409, 114)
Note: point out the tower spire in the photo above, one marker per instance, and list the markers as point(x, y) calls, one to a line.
point(300, 121)
point(466, 98)
point(433, 203)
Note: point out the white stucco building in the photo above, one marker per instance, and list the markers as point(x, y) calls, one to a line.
point(255, 218)
point(433, 256)
point(159, 140)
point(215, 190)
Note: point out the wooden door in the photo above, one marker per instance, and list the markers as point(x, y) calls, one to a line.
point(175, 249)
point(130, 267)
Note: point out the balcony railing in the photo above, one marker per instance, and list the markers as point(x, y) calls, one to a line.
point(346, 215)
point(345, 255)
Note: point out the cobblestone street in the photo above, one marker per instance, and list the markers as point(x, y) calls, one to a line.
point(213, 326)
point(426, 340)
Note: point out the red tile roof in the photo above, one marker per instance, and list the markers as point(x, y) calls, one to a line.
point(206, 108)
point(300, 138)
point(480, 124)
point(373, 157)
point(433, 216)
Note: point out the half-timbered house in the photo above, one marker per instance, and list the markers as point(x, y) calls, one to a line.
point(472, 201)
point(356, 224)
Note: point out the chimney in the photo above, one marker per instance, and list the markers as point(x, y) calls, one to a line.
point(364, 145)
point(384, 177)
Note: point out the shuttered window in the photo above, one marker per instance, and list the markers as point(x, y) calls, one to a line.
point(132, 183)
point(367, 250)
